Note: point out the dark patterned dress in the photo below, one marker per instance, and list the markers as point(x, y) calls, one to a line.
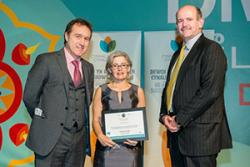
point(125, 156)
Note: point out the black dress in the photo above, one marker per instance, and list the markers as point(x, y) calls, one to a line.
point(125, 156)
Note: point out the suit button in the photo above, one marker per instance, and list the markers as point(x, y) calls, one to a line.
point(77, 99)
point(76, 109)
point(66, 108)
point(61, 124)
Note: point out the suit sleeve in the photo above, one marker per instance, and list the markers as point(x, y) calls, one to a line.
point(36, 79)
point(163, 109)
point(212, 81)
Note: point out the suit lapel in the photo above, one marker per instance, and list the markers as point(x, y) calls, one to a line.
point(189, 60)
point(85, 77)
point(63, 66)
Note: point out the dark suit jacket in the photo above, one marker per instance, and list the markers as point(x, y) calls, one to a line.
point(47, 88)
point(198, 100)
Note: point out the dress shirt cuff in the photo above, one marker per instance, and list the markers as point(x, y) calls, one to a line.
point(161, 119)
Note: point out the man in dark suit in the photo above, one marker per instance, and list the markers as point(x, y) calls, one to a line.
point(192, 107)
point(57, 95)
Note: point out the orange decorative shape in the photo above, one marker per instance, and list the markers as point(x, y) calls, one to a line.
point(93, 139)
point(107, 39)
point(165, 151)
point(18, 133)
point(19, 55)
point(8, 84)
point(21, 162)
point(20, 24)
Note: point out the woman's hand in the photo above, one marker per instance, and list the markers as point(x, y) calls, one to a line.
point(131, 142)
point(106, 141)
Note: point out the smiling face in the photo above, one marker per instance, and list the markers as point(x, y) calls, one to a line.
point(189, 22)
point(77, 40)
point(120, 68)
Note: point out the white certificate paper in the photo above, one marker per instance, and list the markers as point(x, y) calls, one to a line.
point(126, 124)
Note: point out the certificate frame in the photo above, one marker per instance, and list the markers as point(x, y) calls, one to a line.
point(122, 124)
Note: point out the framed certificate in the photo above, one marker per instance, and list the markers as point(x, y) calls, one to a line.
point(124, 124)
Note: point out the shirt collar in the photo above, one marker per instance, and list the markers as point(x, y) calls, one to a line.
point(190, 43)
point(69, 57)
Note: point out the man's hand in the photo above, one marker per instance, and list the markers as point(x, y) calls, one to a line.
point(170, 123)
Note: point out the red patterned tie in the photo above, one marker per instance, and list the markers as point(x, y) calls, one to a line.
point(77, 73)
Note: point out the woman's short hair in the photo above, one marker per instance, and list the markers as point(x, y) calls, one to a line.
point(110, 60)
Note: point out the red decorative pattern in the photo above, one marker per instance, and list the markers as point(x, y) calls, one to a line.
point(242, 101)
point(2, 45)
point(1, 137)
point(18, 133)
point(19, 56)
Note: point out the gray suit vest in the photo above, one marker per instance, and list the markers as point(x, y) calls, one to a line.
point(75, 116)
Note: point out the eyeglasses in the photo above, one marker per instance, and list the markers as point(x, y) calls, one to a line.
point(122, 66)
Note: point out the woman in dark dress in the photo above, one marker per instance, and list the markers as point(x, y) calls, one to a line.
point(118, 93)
